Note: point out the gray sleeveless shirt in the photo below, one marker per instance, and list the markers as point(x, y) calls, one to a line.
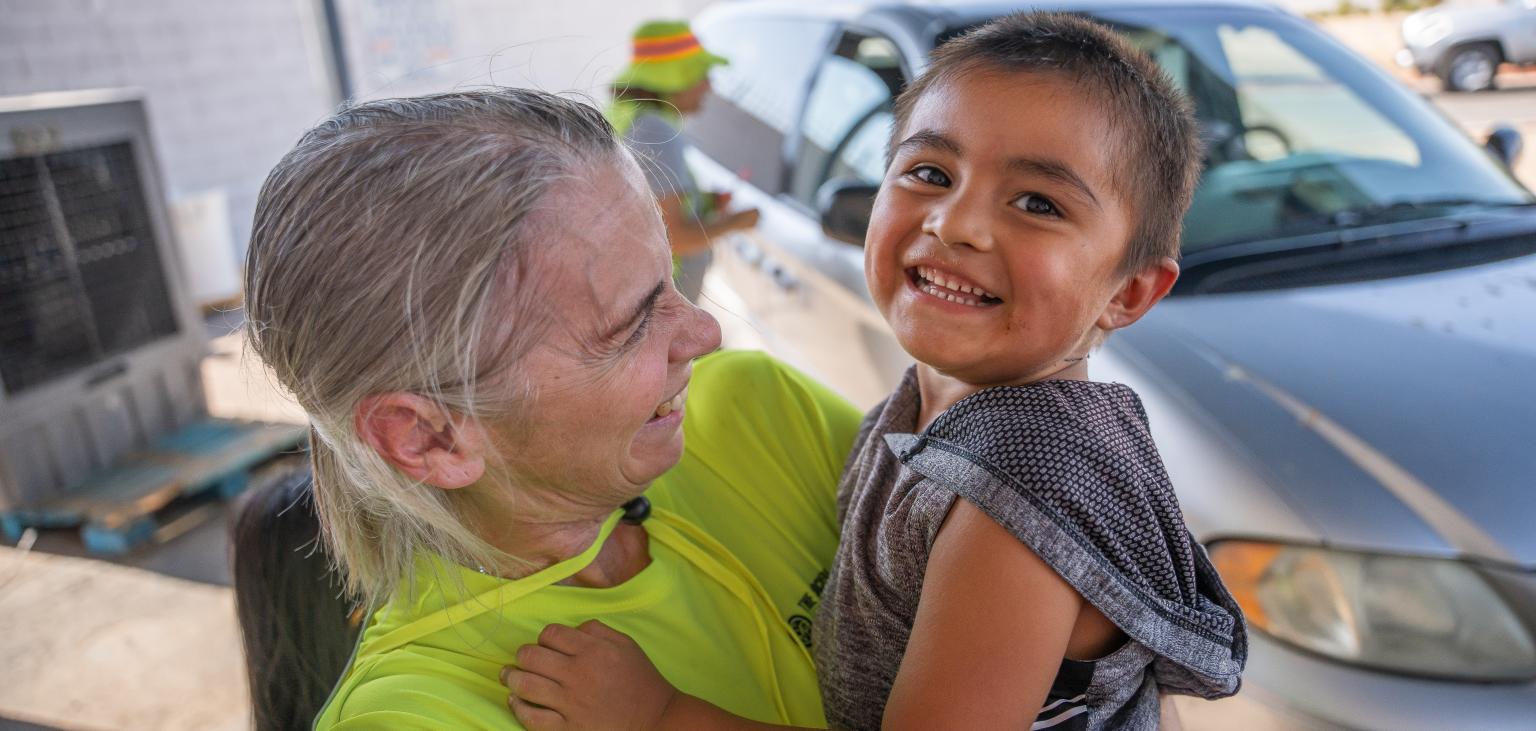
point(1069, 468)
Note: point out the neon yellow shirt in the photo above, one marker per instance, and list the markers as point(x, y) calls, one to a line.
point(741, 535)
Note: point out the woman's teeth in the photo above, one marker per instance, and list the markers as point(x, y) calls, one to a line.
point(668, 407)
point(945, 288)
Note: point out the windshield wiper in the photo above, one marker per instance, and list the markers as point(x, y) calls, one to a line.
point(1376, 213)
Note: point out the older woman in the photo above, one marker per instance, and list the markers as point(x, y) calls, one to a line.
point(471, 296)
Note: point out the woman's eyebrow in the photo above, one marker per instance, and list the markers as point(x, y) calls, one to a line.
point(1054, 170)
point(646, 305)
point(927, 139)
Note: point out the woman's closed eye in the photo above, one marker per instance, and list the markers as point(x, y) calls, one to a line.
point(664, 311)
point(1037, 204)
point(640, 331)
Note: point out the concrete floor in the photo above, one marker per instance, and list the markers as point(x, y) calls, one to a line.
point(95, 645)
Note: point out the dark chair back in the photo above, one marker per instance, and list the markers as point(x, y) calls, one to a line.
point(294, 618)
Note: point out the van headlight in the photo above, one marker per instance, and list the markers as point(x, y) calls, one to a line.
point(1422, 616)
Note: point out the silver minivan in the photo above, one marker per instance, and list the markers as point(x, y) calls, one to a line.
point(1340, 384)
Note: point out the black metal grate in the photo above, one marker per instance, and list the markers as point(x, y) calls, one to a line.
point(80, 275)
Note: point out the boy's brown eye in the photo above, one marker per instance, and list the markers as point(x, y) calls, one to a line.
point(1031, 203)
point(930, 175)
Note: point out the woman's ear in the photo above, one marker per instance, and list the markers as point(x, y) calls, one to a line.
point(1138, 293)
point(421, 439)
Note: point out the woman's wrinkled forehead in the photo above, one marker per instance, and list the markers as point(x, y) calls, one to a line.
point(587, 199)
point(598, 241)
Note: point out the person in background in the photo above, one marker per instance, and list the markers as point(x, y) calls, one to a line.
point(666, 80)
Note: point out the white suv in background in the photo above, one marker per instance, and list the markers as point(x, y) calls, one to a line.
point(1464, 44)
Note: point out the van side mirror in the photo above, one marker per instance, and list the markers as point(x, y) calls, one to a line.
point(845, 205)
point(1505, 143)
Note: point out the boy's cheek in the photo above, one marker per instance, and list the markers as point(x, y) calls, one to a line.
point(880, 257)
point(885, 275)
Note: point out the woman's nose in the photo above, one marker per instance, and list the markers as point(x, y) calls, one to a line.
point(959, 219)
point(699, 335)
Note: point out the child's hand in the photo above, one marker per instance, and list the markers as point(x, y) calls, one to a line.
point(590, 677)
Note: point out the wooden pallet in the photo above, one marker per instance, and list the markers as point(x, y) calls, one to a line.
point(121, 507)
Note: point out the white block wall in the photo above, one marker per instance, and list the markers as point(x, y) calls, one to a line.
point(231, 84)
point(557, 46)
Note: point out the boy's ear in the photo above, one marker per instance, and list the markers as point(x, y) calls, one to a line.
point(422, 440)
point(1138, 293)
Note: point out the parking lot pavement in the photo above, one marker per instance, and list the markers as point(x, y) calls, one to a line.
point(1514, 102)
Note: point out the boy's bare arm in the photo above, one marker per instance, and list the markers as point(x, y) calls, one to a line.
point(992, 626)
point(595, 677)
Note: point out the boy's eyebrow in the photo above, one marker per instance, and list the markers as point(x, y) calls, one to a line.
point(1044, 167)
point(928, 138)
point(1055, 170)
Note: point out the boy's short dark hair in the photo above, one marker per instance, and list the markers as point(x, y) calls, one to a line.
point(1158, 133)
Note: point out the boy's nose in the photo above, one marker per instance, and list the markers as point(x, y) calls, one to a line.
point(961, 220)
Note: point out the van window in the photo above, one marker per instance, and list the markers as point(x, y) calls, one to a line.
point(756, 98)
point(847, 118)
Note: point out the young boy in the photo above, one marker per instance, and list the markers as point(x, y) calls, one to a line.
point(1012, 553)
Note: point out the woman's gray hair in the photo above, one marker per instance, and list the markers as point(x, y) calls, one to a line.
point(388, 255)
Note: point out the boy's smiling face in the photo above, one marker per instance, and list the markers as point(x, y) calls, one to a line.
point(996, 242)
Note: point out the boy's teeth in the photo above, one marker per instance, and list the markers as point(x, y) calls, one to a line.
point(934, 290)
point(664, 409)
point(939, 280)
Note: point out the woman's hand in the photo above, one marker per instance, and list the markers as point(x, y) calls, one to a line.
point(588, 677)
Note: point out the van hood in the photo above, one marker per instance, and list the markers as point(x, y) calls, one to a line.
point(1398, 414)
